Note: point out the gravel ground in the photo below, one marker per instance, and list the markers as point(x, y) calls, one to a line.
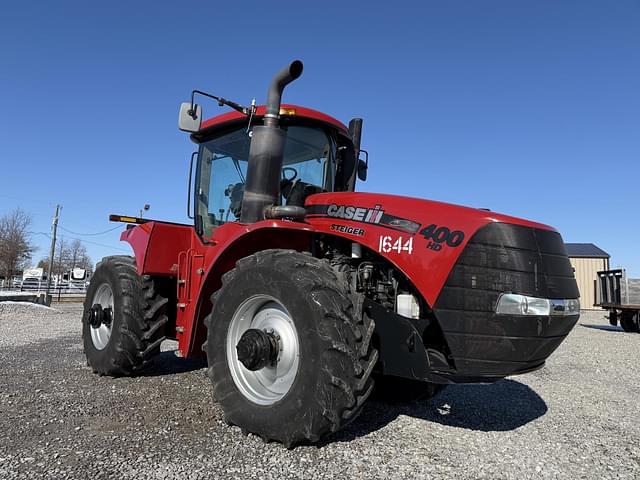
point(576, 418)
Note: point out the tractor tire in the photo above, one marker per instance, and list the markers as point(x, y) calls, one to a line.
point(322, 374)
point(630, 321)
point(396, 390)
point(132, 323)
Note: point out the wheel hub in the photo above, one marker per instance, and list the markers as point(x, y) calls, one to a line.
point(97, 316)
point(262, 349)
point(257, 349)
point(100, 317)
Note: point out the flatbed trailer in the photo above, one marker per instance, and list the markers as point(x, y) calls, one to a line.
point(620, 295)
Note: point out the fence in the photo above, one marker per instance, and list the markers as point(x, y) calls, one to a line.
point(62, 291)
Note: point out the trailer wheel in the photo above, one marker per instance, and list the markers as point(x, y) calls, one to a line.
point(124, 318)
point(289, 348)
point(630, 322)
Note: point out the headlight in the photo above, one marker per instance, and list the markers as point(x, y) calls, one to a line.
point(514, 304)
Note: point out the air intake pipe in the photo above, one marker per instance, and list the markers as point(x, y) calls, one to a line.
point(262, 186)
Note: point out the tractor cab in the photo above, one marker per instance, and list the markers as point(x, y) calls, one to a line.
point(319, 156)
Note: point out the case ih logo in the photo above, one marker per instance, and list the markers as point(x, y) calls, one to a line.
point(358, 214)
point(373, 216)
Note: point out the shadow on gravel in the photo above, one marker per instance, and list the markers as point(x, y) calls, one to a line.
point(498, 407)
point(606, 328)
point(167, 363)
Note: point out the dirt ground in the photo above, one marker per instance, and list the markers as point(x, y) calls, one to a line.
point(575, 418)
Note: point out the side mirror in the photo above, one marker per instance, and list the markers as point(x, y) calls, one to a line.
point(363, 166)
point(190, 117)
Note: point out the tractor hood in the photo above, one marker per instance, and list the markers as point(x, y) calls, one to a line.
point(394, 207)
point(423, 238)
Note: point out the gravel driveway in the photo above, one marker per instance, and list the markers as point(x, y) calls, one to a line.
point(576, 418)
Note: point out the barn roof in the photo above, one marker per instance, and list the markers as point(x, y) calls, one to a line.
point(585, 250)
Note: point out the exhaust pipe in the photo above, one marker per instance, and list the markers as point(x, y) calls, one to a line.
point(283, 78)
point(262, 186)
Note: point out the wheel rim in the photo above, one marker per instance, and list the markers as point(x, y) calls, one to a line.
point(271, 383)
point(100, 336)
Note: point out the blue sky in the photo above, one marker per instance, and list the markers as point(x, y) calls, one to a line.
point(528, 108)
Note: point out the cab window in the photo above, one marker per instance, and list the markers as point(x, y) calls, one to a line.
point(308, 167)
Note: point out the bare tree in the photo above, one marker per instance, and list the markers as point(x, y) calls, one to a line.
point(67, 257)
point(15, 247)
point(85, 262)
point(78, 256)
point(43, 264)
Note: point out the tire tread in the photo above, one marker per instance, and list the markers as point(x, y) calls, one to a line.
point(144, 319)
point(345, 330)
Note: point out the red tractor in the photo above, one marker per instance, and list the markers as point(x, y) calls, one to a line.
point(301, 291)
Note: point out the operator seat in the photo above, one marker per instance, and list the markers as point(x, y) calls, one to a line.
point(299, 192)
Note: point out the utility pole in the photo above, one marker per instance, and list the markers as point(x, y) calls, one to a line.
point(60, 262)
point(54, 230)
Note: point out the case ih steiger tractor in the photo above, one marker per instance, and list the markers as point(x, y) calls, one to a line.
point(301, 291)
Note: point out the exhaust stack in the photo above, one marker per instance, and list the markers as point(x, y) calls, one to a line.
point(262, 186)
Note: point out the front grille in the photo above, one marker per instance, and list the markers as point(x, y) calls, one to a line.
point(508, 258)
point(504, 258)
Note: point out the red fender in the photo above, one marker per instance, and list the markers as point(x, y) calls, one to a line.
point(422, 238)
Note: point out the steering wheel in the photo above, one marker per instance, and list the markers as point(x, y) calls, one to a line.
point(289, 169)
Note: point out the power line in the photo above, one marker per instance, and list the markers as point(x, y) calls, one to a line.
point(96, 243)
point(83, 240)
point(100, 244)
point(91, 234)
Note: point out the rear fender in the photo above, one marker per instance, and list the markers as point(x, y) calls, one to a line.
point(156, 246)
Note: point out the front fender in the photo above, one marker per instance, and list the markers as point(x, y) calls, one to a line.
point(422, 238)
point(228, 244)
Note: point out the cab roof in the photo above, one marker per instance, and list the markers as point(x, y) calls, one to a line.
point(286, 110)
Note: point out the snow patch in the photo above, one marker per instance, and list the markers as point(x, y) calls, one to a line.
point(17, 311)
point(30, 304)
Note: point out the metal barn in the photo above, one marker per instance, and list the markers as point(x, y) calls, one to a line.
point(587, 259)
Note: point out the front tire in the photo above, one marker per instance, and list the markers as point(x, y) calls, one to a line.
point(320, 375)
point(124, 319)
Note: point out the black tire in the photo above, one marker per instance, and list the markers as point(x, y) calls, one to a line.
point(336, 358)
point(630, 321)
point(139, 319)
point(402, 390)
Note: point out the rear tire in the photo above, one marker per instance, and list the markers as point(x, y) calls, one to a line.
point(630, 321)
point(137, 325)
point(335, 358)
